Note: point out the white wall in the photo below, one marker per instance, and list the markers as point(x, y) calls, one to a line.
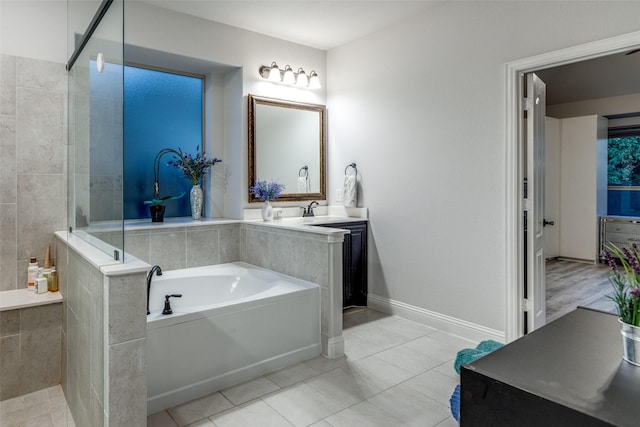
point(34, 29)
point(420, 107)
point(579, 186)
point(552, 187)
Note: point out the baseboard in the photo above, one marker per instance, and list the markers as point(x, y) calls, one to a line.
point(581, 260)
point(436, 320)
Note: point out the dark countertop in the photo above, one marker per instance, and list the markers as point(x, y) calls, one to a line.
point(576, 362)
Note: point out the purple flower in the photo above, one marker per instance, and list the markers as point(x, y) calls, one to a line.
point(635, 292)
point(632, 259)
point(610, 260)
point(266, 191)
point(193, 167)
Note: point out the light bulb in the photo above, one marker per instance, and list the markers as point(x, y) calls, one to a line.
point(302, 80)
point(314, 81)
point(289, 78)
point(274, 73)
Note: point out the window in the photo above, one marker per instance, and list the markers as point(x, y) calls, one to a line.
point(623, 196)
point(161, 110)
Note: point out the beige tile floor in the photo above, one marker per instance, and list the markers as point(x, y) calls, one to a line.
point(395, 373)
point(44, 408)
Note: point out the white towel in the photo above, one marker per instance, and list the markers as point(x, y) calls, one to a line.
point(302, 184)
point(350, 191)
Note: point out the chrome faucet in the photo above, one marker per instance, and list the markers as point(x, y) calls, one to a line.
point(155, 269)
point(309, 210)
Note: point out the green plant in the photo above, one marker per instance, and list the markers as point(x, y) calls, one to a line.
point(156, 202)
point(626, 285)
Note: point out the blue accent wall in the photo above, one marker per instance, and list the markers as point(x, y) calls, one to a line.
point(161, 110)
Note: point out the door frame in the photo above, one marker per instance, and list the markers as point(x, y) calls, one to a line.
point(514, 245)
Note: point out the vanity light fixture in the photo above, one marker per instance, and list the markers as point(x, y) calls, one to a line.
point(287, 76)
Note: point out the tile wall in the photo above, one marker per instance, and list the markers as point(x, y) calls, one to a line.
point(184, 247)
point(29, 349)
point(304, 255)
point(32, 162)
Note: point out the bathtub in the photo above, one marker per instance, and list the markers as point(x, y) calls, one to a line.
point(233, 323)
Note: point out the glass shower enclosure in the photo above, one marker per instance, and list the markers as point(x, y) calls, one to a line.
point(95, 129)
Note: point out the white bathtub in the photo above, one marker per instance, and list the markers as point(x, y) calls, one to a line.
point(233, 323)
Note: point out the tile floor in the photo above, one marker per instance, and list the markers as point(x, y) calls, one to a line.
point(395, 373)
point(44, 408)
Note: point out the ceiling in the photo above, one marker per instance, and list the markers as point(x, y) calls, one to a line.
point(326, 24)
point(604, 77)
point(323, 24)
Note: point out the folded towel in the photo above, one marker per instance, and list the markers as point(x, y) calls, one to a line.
point(350, 191)
point(302, 184)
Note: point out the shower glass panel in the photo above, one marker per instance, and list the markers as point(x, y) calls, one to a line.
point(96, 89)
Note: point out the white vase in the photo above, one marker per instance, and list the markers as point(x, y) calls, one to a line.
point(196, 202)
point(267, 211)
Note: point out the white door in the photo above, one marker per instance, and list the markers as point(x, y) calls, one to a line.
point(534, 204)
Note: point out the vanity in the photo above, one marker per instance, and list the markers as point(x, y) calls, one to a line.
point(354, 263)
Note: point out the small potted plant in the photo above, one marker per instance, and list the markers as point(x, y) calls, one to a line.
point(626, 296)
point(194, 169)
point(157, 208)
point(265, 192)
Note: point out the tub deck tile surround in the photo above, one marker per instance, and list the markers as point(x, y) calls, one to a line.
point(294, 246)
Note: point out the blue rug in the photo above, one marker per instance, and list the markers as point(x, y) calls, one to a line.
point(465, 356)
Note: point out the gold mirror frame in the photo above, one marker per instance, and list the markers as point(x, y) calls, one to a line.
point(253, 101)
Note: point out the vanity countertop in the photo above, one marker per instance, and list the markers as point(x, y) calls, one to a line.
point(315, 224)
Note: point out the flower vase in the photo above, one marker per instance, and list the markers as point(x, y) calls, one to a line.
point(630, 343)
point(196, 202)
point(267, 211)
point(157, 213)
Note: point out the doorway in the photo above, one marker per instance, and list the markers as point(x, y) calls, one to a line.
point(516, 266)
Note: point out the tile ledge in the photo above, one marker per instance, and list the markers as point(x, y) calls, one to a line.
point(23, 298)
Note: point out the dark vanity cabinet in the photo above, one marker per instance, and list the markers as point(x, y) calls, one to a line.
point(354, 263)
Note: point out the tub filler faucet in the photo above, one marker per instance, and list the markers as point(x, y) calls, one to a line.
point(155, 269)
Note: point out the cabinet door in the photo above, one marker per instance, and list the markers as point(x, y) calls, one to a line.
point(354, 263)
point(357, 266)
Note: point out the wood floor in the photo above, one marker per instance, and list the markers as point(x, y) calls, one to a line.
point(571, 284)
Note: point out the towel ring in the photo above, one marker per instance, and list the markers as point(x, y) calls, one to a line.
point(351, 165)
point(306, 171)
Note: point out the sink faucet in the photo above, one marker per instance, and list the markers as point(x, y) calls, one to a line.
point(309, 210)
point(155, 269)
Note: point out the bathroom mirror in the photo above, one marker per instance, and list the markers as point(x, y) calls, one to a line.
point(287, 143)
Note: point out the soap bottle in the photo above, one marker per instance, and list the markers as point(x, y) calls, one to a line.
point(41, 284)
point(32, 274)
point(47, 262)
point(52, 280)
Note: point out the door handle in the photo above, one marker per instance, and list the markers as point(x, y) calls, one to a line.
point(545, 223)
